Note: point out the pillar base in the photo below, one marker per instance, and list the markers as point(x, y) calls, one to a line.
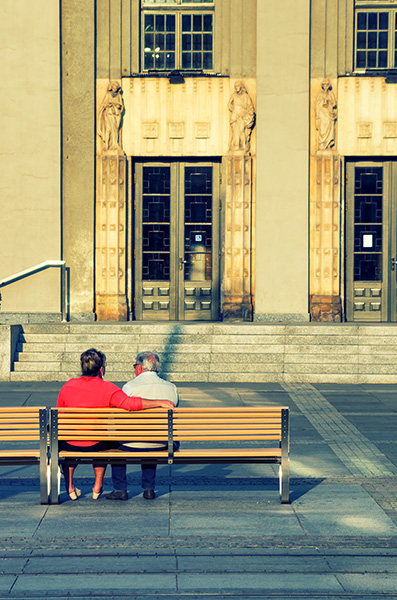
point(111, 308)
point(325, 309)
point(233, 311)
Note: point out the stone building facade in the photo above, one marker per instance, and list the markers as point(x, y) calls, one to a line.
point(202, 160)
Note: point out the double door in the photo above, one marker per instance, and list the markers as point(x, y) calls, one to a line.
point(371, 241)
point(176, 241)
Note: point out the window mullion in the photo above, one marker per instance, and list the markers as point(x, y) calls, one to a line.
point(178, 40)
point(390, 50)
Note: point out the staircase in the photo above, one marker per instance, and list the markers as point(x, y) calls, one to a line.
point(214, 352)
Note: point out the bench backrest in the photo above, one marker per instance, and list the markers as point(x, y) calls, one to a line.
point(183, 424)
point(109, 424)
point(229, 424)
point(23, 423)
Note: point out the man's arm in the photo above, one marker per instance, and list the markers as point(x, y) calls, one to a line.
point(157, 404)
point(121, 400)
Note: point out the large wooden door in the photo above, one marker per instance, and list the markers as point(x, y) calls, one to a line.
point(371, 244)
point(176, 241)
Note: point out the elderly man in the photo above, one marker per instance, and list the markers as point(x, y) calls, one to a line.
point(149, 385)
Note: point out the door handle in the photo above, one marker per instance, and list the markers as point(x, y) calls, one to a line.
point(393, 264)
point(182, 262)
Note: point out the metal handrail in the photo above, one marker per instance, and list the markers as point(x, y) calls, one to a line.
point(36, 269)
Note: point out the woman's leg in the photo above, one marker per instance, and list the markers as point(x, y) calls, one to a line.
point(99, 475)
point(68, 471)
point(69, 482)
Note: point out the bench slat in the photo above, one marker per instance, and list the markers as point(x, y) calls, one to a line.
point(111, 437)
point(20, 453)
point(114, 454)
point(183, 453)
point(238, 427)
point(204, 452)
point(21, 409)
point(224, 438)
point(62, 421)
point(234, 409)
point(104, 427)
point(19, 420)
point(178, 421)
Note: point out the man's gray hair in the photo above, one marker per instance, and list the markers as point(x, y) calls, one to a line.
point(149, 361)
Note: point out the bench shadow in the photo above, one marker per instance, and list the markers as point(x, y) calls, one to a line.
point(220, 476)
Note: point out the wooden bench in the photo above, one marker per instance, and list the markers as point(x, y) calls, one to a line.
point(247, 435)
point(18, 426)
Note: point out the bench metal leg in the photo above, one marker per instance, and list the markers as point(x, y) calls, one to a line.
point(44, 468)
point(54, 466)
point(284, 483)
point(284, 466)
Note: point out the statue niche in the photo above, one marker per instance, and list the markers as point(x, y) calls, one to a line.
point(326, 114)
point(242, 119)
point(109, 117)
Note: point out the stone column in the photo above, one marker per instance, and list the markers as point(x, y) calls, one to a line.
point(111, 303)
point(78, 153)
point(325, 300)
point(237, 284)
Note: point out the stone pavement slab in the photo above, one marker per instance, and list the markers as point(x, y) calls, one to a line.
point(246, 583)
point(11, 565)
point(101, 564)
point(347, 509)
point(253, 563)
point(240, 513)
point(97, 583)
point(384, 583)
point(6, 583)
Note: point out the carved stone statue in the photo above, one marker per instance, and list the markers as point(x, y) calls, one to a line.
point(109, 117)
point(242, 118)
point(326, 114)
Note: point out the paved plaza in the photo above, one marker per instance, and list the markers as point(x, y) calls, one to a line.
point(219, 531)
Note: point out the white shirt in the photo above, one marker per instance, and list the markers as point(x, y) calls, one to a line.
point(150, 386)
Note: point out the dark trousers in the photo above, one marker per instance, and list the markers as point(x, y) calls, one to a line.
point(119, 472)
point(119, 476)
point(97, 447)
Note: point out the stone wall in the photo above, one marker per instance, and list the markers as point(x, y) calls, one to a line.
point(30, 153)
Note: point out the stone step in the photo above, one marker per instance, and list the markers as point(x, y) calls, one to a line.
point(226, 378)
point(214, 352)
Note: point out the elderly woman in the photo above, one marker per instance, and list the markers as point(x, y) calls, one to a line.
point(91, 391)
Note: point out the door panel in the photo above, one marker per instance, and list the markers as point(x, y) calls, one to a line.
point(371, 241)
point(176, 241)
point(198, 251)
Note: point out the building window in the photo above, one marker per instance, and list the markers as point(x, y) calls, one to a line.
point(177, 34)
point(376, 35)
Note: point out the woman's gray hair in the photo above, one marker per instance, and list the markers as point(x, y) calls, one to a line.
point(149, 361)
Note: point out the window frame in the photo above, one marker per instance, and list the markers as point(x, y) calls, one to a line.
point(378, 6)
point(178, 9)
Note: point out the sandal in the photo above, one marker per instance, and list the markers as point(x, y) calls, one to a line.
point(95, 495)
point(75, 494)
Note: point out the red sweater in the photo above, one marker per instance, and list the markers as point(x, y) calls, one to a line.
point(94, 392)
